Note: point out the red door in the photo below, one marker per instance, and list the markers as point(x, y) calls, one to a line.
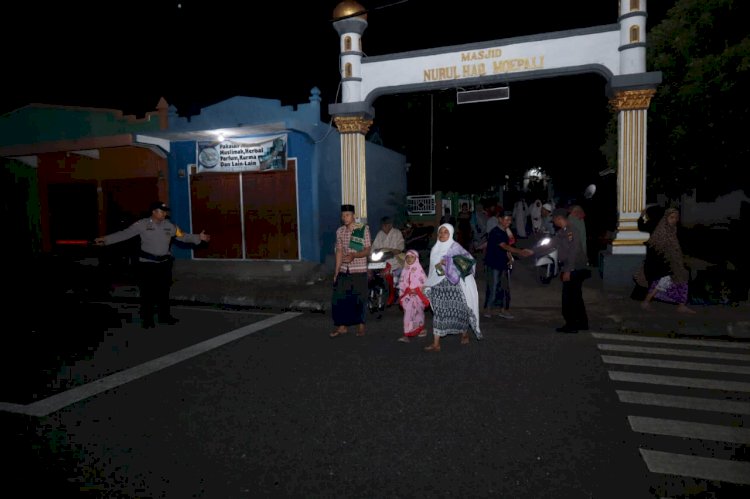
point(215, 201)
point(269, 205)
point(270, 202)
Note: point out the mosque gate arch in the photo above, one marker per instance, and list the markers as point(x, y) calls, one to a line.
point(616, 51)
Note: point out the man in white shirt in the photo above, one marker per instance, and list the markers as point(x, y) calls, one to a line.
point(390, 239)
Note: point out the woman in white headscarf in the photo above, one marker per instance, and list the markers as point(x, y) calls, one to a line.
point(535, 211)
point(454, 299)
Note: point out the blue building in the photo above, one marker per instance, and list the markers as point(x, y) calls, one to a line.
point(263, 179)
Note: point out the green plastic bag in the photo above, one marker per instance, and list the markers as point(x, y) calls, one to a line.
point(464, 264)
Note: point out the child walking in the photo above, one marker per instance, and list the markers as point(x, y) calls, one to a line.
point(412, 298)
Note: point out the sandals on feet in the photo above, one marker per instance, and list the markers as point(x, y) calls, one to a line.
point(404, 339)
point(465, 338)
point(361, 331)
point(432, 348)
point(337, 332)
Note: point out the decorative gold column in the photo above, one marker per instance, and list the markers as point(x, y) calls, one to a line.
point(353, 171)
point(631, 106)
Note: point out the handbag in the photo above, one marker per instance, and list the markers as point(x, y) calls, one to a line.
point(464, 264)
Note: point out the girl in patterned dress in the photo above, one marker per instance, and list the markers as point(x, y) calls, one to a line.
point(412, 298)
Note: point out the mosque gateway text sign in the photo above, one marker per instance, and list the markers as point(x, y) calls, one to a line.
point(587, 50)
point(482, 63)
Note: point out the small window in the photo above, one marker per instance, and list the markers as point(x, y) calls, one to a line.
point(635, 34)
point(635, 5)
point(347, 43)
point(348, 70)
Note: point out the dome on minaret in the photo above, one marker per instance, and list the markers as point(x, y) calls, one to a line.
point(347, 8)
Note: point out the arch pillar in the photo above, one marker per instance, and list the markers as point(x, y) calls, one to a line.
point(353, 161)
point(631, 107)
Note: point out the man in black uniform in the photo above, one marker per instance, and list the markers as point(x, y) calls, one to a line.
point(573, 270)
point(155, 260)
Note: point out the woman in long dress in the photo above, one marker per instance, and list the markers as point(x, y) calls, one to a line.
point(520, 215)
point(412, 298)
point(535, 212)
point(664, 267)
point(454, 299)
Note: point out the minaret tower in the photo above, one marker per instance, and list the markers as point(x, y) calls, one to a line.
point(632, 36)
point(631, 95)
point(350, 21)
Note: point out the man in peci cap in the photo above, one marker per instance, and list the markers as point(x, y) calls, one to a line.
point(154, 272)
point(349, 300)
point(573, 271)
point(547, 225)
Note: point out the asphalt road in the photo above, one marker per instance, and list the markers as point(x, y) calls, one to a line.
point(244, 404)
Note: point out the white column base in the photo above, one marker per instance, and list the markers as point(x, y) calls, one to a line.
point(629, 240)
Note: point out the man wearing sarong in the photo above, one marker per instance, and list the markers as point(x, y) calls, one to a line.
point(349, 301)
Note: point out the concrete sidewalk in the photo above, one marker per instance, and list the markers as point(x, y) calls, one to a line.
point(305, 287)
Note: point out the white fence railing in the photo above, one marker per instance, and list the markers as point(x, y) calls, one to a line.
point(420, 205)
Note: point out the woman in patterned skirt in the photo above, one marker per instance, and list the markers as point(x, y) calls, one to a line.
point(454, 299)
point(664, 267)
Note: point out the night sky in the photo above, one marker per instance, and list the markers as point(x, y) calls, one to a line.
point(195, 53)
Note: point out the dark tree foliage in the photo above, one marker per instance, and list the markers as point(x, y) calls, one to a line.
point(700, 116)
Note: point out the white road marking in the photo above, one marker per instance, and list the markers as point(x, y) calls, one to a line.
point(674, 364)
point(682, 464)
point(682, 402)
point(682, 352)
point(687, 429)
point(655, 379)
point(56, 402)
point(699, 467)
point(674, 341)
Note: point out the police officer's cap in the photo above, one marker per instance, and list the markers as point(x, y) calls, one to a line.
point(158, 205)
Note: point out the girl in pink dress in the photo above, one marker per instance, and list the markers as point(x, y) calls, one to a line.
point(412, 298)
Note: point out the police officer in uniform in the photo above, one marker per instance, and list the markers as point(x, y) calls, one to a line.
point(573, 270)
point(155, 260)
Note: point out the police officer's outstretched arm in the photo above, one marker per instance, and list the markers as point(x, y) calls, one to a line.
point(191, 238)
point(123, 235)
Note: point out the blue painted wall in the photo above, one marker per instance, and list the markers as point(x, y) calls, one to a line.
point(181, 154)
point(317, 147)
point(386, 179)
point(300, 146)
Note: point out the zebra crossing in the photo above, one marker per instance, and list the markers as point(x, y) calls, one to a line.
point(688, 399)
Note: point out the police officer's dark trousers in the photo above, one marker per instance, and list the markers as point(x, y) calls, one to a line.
point(573, 308)
point(154, 282)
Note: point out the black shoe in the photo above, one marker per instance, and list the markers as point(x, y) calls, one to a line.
point(148, 325)
point(566, 329)
point(585, 327)
point(169, 321)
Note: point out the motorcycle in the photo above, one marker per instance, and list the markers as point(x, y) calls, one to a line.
point(382, 286)
point(546, 265)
